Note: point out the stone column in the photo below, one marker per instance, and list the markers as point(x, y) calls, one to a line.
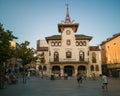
point(88, 70)
point(76, 71)
point(61, 70)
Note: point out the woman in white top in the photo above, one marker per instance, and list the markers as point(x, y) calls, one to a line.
point(105, 82)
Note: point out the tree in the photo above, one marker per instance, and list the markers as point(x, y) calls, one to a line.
point(27, 55)
point(6, 51)
point(42, 58)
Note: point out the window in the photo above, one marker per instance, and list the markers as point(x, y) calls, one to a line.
point(77, 43)
point(52, 43)
point(114, 44)
point(81, 56)
point(92, 68)
point(84, 43)
point(68, 42)
point(59, 43)
point(56, 56)
point(68, 54)
point(56, 43)
point(44, 68)
point(97, 68)
point(81, 43)
point(93, 57)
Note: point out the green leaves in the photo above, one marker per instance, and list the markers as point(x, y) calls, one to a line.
point(6, 51)
point(26, 54)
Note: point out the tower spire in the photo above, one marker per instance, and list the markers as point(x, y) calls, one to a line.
point(67, 23)
point(67, 18)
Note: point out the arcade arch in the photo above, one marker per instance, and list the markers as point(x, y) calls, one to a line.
point(69, 70)
point(82, 69)
point(56, 69)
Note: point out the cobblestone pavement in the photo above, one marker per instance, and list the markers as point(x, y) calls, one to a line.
point(44, 87)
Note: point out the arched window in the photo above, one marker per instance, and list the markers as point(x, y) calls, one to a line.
point(52, 43)
point(92, 68)
point(56, 44)
point(44, 68)
point(93, 57)
point(40, 68)
point(84, 43)
point(97, 68)
point(59, 43)
point(68, 54)
point(56, 56)
point(81, 56)
point(77, 43)
point(81, 43)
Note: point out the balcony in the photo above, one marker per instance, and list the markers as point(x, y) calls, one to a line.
point(68, 61)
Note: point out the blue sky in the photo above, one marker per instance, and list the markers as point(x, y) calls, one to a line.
point(32, 20)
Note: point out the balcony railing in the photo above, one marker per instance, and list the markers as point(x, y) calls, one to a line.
point(68, 60)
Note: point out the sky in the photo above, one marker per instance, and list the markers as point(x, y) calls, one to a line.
point(31, 20)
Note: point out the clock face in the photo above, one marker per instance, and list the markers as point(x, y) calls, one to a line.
point(68, 32)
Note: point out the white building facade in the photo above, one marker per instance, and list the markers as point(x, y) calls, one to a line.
point(69, 52)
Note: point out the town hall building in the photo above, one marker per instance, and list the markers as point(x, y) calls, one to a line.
point(69, 52)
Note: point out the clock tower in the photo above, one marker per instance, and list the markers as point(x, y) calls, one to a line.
point(67, 23)
point(70, 52)
point(68, 28)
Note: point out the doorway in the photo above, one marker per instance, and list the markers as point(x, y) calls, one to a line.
point(69, 70)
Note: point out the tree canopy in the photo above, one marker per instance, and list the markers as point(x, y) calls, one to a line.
point(6, 51)
point(27, 55)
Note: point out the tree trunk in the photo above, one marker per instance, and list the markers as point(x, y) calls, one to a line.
point(24, 75)
point(1, 77)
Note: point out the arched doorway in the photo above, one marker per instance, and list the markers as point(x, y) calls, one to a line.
point(82, 69)
point(69, 70)
point(56, 69)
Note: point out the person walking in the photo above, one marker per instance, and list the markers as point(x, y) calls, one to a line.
point(28, 74)
point(104, 82)
point(79, 78)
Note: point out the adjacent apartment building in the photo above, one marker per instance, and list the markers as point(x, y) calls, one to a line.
point(68, 52)
point(110, 51)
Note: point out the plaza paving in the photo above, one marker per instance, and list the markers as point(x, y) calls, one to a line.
point(44, 87)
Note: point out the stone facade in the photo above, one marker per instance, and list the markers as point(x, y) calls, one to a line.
point(69, 52)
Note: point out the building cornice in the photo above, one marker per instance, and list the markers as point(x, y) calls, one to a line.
point(111, 38)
